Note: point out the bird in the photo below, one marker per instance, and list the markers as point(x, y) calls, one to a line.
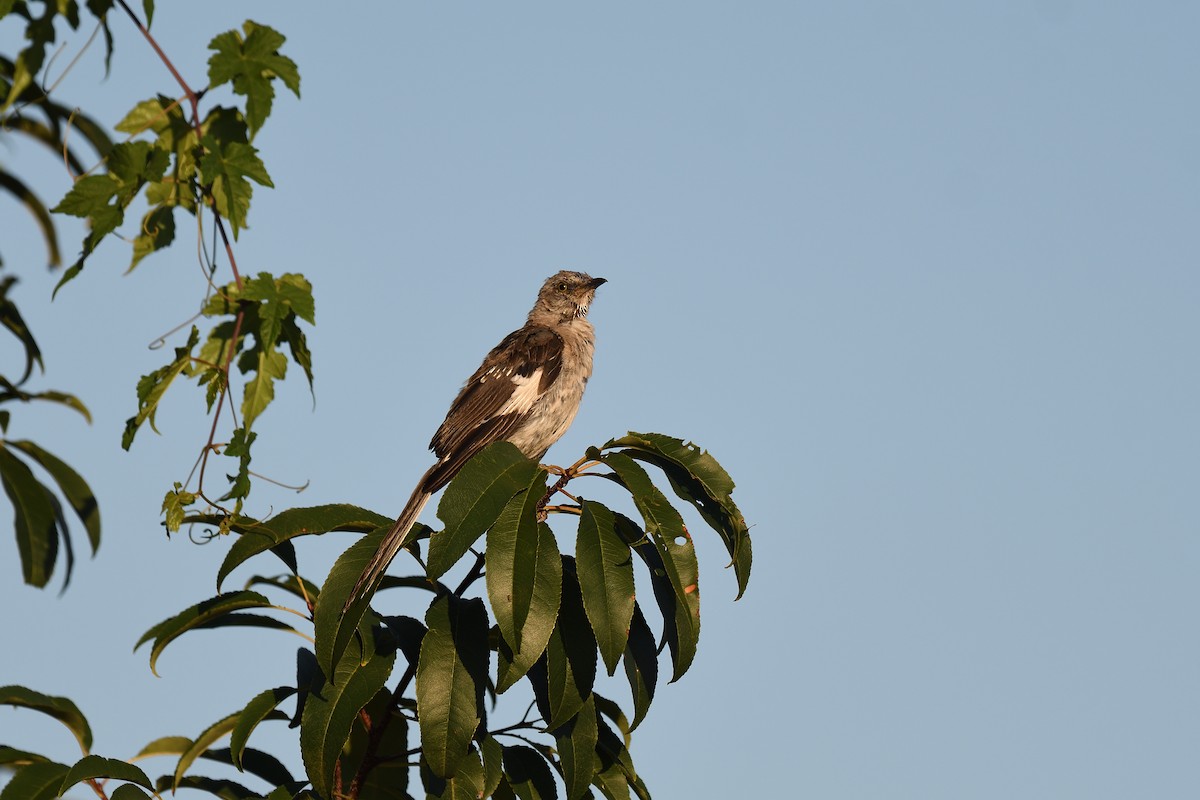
point(527, 391)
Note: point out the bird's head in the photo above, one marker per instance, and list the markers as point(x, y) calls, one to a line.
point(565, 296)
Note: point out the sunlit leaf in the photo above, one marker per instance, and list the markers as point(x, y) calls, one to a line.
point(606, 579)
point(34, 519)
point(451, 673)
point(96, 767)
point(250, 62)
point(60, 708)
point(577, 750)
point(207, 613)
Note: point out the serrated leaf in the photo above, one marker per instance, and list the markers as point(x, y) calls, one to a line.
point(698, 478)
point(206, 613)
point(228, 168)
point(530, 570)
point(72, 485)
point(563, 678)
point(10, 757)
point(381, 731)
point(335, 625)
point(157, 232)
point(11, 319)
point(257, 537)
point(88, 196)
point(605, 566)
point(676, 555)
point(330, 714)
point(152, 387)
point(166, 746)
point(260, 390)
point(97, 767)
point(577, 750)
point(255, 762)
point(250, 62)
point(38, 781)
point(451, 675)
point(60, 708)
point(174, 506)
point(258, 709)
point(34, 519)
point(474, 499)
point(218, 787)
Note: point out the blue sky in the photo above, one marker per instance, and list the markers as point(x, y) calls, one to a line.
point(923, 277)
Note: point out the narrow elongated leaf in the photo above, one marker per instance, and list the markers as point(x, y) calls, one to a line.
point(98, 767)
point(166, 746)
point(257, 537)
point(205, 614)
point(60, 708)
point(676, 551)
point(127, 791)
point(39, 781)
point(563, 678)
point(493, 764)
point(330, 714)
point(451, 675)
point(699, 479)
point(512, 560)
point(641, 665)
point(34, 519)
point(528, 774)
point(605, 566)
point(11, 757)
point(10, 316)
point(218, 787)
point(382, 731)
point(201, 743)
point(72, 486)
point(474, 499)
point(467, 782)
point(254, 762)
point(546, 586)
point(577, 750)
point(258, 709)
point(335, 629)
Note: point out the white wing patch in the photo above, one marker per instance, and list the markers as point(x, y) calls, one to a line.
point(526, 392)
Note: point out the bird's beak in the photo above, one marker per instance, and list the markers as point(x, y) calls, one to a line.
point(596, 283)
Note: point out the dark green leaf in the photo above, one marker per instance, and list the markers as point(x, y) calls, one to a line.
point(474, 499)
point(641, 665)
point(202, 614)
point(152, 387)
point(699, 479)
point(60, 708)
point(577, 750)
point(17, 188)
point(493, 764)
point(380, 730)
point(166, 746)
point(254, 762)
point(451, 675)
point(564, 676)
point(467, 781)
point(218, 787)
point(260, 390)
point(39, 781)
point(72, 486)
point(677, 554)
point(258, 709)
point(606, 579)
point(127, 791)
point(11, 319)
point(334, 624)
point(10, 757)
point(528, 774)
point(34, 519)
point(201, 743)
point(257, 537)
point(97, 767)
point(157, 232)
point(531, 569)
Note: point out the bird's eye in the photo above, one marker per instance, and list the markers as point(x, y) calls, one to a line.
point(562, 287)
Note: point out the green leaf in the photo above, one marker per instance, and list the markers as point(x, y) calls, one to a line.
point(260, 390)
point(524, 565)
point(334, 628)
point(699, 479)
point(218, 787)
point(72, 485)
point(255, 762)
point(205, 614)
point(528, 774)
point(467, 781)
point(60, 708)
point(11, 319)
point(89, 196)
point(34, 519)
point(676, 555)
point(258, 709)
point(606, 579)
point(34, 205)
point(563, 678)
point(200, 744)
point(257, 537)
point(380, 730)
point(229, 168)
point(250, 63)
point(474, 499)
point(38, 781)
point(97, 767)
point(127, 791)
point(174, 506)
point(451, 676)
point(62, 398)
point(577, 750)
point(298, 347)
point(330, 714)
point(641, 665)
point(493, 764)
point(157, 232)
point(152, 387)
point(279, 298)
point(10, 757)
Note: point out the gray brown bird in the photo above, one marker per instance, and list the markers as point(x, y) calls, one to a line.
point(527, 391)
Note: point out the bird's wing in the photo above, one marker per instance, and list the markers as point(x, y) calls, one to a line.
point(498, 397)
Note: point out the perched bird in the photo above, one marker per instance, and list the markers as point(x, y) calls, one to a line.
point(527, 391)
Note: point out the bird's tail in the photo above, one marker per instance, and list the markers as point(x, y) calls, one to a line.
point(393, 542)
